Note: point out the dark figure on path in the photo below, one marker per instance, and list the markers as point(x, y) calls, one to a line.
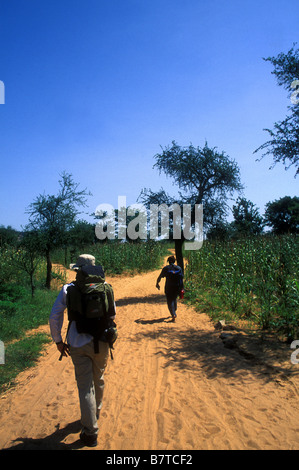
point(173, 285)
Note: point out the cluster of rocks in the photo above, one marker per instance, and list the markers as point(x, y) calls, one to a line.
point(229, 339)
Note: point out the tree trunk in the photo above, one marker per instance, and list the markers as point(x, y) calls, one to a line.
point(32, 283)
point(49, 270)
point(179, 252)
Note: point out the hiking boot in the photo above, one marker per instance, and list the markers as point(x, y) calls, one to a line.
point(173, 317)
point(88, 440)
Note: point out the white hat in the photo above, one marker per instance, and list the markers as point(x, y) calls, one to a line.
point(84, 260)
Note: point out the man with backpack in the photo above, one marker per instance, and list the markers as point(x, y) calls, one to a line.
point(91, 331)
point(173, 285)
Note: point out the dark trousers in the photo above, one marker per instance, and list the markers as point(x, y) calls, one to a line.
point(172, 303)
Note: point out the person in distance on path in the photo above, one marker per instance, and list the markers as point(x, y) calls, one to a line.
point(173, 285)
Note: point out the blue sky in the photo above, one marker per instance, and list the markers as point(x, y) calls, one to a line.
point(96, 87)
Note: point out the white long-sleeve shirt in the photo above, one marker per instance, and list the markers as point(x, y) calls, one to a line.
point(75, 339)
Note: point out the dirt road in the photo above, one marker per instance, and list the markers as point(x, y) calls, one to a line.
point(171, 386)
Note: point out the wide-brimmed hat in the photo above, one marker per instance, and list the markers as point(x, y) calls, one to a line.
point(84, 260)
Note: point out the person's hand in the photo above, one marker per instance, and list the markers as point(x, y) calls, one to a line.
point(63, 348)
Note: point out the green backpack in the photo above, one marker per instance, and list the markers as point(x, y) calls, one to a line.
point(90, 303)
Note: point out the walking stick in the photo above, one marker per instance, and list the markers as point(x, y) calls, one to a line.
point(64, 343)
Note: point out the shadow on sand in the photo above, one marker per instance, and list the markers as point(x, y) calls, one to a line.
point(150, 299)
point(52, 442)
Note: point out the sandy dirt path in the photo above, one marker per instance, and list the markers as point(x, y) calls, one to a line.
point(171, 386)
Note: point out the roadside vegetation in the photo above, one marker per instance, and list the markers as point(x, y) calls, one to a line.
point(117, 257)
point(251, 279)
point(23, 308)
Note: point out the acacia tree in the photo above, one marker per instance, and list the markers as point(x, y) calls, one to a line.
point(204, 175)
point(284, 138)
point(52, 216)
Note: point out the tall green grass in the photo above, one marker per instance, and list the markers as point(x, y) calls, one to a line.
point(255, 278)
point(20, 356)
point(119, 258)
point(130, 257)
point(20, 313)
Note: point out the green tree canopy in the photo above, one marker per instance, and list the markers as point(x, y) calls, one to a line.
point(53, 215)
point(284, 138)
point(282, 215)
point(8, 235)
point(247, 220)
point(202, 176)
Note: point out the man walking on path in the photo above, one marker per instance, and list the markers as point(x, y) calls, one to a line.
point(89, 353)
point(173, 285)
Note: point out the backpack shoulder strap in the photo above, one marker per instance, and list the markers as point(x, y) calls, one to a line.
point(73, 301)
point(110, 297)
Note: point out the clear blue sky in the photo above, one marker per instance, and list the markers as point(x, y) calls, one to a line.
point(95, 87)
